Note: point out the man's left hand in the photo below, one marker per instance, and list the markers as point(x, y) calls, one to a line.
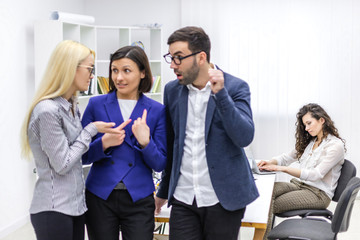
point(216, 78)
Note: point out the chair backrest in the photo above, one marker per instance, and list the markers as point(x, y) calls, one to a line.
point(342, 214)
point(348, 171)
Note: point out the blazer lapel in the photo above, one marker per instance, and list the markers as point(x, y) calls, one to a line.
point(210, 111)
point(113, 109)
point(209, 116)
point(183, 110)
point(139, 107)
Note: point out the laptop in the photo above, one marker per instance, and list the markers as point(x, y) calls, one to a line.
point(255, 169)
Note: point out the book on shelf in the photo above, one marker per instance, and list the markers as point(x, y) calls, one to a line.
point(103, 85)
point(90, 90)
point(156, 84)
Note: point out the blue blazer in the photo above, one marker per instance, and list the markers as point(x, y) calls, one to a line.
point(228, 128)
point(127, 162)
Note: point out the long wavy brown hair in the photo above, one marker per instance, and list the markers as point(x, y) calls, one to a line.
point(303, 138)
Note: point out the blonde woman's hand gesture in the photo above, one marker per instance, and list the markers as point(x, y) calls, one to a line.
point(106, 127)
point(112, 136)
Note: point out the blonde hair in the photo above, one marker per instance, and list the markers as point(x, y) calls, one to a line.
point(58, 78)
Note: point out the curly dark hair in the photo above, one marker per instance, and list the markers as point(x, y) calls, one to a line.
point(303, 138)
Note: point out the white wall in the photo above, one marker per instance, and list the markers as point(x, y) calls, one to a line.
point(17, 88)
point(129, 13)
point(313, 46)
point(291, 53)
point(17, 79)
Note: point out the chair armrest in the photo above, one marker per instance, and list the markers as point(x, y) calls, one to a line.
point(293, 213)
point(306, 212)
point(322, 213)
point(298, 238)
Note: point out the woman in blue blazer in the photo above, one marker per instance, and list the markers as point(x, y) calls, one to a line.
point(119, 187)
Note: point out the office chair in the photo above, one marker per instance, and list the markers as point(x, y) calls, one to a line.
point(317, 228)
point(348, 171)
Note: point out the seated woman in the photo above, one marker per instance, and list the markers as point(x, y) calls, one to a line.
point(320, 151)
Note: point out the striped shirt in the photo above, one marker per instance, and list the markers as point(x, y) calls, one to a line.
point(58, 141)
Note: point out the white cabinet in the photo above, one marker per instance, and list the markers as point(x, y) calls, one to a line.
point(104, 40)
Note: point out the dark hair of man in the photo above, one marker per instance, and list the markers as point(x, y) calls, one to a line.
point(196, 38)
point(137, 55)
point(303, 138)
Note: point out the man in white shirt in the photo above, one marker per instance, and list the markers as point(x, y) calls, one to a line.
point(208, 180)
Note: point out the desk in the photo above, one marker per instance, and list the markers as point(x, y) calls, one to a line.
point(256, 213)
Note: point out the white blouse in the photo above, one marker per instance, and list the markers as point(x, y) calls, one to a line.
point(126, 107)
point(320, 167)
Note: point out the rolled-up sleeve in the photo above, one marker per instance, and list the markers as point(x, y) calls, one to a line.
point(286, 159)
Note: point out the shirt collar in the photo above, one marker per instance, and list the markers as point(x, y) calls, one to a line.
point(65, 103)
point(194, 89)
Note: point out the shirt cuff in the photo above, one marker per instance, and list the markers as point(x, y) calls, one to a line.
point(91, 129)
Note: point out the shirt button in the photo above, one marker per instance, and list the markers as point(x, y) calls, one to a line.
point(130, 165)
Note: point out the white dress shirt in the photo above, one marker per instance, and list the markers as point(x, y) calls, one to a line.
point(194, 180)
point(321, 167)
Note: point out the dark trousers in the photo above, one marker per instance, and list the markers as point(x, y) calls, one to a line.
point(104, 218)
point(189, 222)
point(58, 226)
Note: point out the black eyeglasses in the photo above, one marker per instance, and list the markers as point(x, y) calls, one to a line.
point(177, 59)
point(90, 68)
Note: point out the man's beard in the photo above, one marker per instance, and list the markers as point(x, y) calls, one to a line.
point(191, 75)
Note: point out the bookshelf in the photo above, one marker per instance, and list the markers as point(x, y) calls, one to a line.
point(104, 40)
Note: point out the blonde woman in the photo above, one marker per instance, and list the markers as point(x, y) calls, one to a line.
point(52, 132)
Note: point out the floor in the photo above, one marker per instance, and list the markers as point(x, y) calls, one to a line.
point(27, 233)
